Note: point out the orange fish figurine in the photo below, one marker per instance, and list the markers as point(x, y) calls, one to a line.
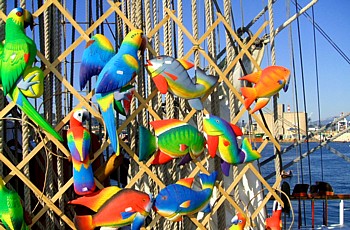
point(274, 222)
point(268, 82)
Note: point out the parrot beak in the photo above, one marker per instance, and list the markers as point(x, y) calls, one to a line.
point(28, 19)
point(143, 43)
point(85, 115)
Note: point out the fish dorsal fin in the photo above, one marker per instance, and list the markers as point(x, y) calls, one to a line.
point(253, 77)
point(186, 64)
point(237, 130)
point(96, 200)
point(187, 182)
point(161, 126)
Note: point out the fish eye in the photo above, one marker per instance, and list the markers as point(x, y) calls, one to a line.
point(164, 197)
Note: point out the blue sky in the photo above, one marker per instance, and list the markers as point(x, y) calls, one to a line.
point(333, 70)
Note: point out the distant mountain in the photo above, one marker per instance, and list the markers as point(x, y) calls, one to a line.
point(323, 122)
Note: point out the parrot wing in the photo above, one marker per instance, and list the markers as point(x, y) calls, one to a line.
point(14, 61)
point(79, 143)
point(118, 72)
point(97, 53)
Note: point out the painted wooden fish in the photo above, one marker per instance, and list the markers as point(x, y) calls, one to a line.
point(173, 139)
point(274, 222)
point(177, 200)
point(222, 136)
point(268, 82)
point(114, 207)
point(11, 210)
point(238, 222)
point(170, 74)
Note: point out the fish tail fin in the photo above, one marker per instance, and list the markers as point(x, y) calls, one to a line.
point(249, 95)
point(84, 222)
point(208, 181)
point(207, 81)
point(23, 103)
point(106, 103)
point(147, 143)
point(250, 154)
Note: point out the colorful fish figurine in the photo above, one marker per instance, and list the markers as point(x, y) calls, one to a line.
point(173, 139)
point(17, 75)
point(114, 72)
point(78, 138)
point(11, 209)
point(238, 222)
point(179, 199)
point(222, 136)
point(274, 222)
point(170, 74)
point(267, 83)
point(114, 207)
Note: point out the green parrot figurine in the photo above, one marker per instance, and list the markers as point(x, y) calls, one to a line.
point(11, 210)
point(17, 75)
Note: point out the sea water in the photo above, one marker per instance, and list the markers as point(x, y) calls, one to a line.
point(321, 165)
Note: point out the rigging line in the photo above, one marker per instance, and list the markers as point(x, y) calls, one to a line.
point(304, 93)
point(242, 12)
point(71, 79)
point(325, 35)
point(317, 85)
point(296, 99)
point(101, 12)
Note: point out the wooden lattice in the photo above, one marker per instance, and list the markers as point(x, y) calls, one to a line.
point(143, 104)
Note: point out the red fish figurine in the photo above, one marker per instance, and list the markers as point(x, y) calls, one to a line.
point(114, 207)
point(274, 222)
point(268, 82)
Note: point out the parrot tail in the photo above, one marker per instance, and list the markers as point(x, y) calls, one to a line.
point(147, 143)
point(106, 102)
point(23, 103)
